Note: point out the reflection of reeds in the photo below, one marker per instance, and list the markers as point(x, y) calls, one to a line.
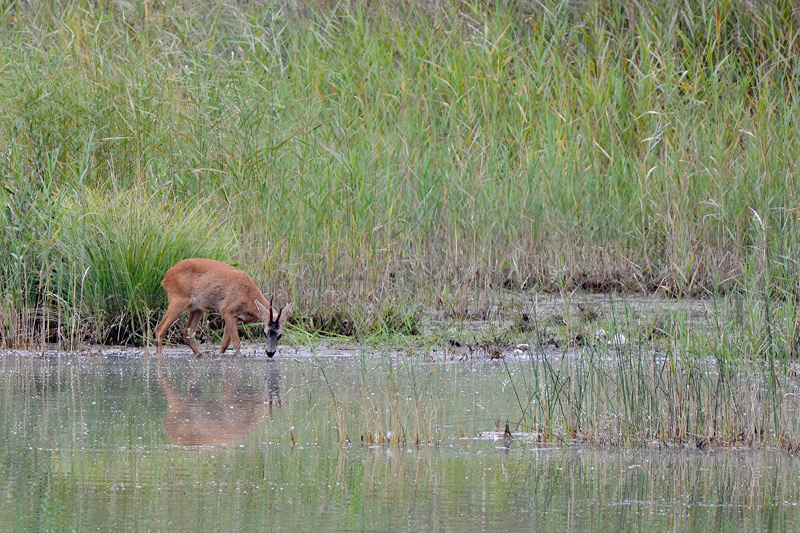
point(390, 403)
point(340, 426)
point(87, 432)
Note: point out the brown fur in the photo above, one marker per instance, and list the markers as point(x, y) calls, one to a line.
point(200, 285)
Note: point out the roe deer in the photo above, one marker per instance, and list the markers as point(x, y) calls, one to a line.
point(199, 285)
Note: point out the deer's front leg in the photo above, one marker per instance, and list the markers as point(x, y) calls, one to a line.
point(231, 334)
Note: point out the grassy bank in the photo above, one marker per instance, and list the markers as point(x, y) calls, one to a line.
point(361, 158)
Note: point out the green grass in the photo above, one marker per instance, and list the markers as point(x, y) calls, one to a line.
point(121, 245)
point(369, 156)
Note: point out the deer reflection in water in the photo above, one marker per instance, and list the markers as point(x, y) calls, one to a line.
point(202, 417)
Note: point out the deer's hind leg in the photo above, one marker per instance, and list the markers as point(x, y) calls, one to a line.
point(226, 340)
point(191, 328)
point(174, 310)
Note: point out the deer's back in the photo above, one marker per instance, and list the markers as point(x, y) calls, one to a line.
point(209, 284)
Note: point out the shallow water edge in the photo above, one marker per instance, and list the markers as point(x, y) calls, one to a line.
point(359, 441)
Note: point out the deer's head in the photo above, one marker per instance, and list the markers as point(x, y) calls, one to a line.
point(273, 324)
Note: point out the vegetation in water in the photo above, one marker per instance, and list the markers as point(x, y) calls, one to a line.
point(88, 441)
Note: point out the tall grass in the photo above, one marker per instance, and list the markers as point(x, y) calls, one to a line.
point(369, 155)
point(92, 266)
point(113, 252)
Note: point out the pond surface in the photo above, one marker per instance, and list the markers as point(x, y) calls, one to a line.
point(123, 441)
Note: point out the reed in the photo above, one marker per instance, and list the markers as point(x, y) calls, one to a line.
point(364, 154)
point(686, 377)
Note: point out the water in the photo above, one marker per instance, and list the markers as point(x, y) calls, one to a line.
point(122, 441)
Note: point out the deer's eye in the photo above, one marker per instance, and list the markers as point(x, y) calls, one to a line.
point(279, 336)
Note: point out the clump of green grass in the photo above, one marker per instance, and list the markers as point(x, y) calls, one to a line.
point(388, 322)
point(100, 266)
point(120, 245)
point(396, 319)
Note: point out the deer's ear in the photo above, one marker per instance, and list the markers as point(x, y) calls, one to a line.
point(265, 314)
point(285, 312)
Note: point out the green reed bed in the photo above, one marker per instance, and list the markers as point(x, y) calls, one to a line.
point(633, 398)
point(365, 156)
point(622, 374)
point(616, 374)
